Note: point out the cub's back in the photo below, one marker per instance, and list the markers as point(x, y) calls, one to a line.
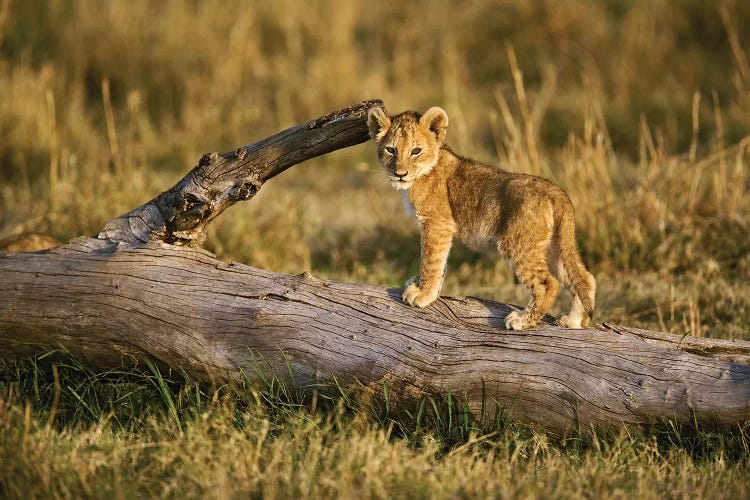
point(484, 198)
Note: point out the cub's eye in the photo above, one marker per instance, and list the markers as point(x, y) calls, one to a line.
point(391, 150)
point(416, 151)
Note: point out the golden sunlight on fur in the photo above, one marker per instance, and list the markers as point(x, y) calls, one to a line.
point(526, 219)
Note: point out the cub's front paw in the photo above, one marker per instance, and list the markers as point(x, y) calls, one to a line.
point(518, 320)
point(416, 296)
point(414, 280)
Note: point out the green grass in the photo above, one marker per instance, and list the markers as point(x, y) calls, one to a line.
point(154, 433)
point(638, 109)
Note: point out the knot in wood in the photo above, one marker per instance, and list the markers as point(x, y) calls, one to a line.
point(205, 160)
point(208, 159)
point(248, 189)
point(240, 153)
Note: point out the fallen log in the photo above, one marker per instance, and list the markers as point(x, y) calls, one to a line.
point(143, 290)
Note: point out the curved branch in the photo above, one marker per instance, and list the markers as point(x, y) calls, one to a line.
point(180, 215)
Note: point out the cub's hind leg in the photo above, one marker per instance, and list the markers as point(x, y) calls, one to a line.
point(582, 307)
point(531, 269)
point(566, 264)
point(524, 243)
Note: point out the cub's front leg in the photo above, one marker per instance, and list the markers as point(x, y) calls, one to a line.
point(436, 245)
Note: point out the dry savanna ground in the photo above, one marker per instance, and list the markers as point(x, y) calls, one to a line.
point(639, 109)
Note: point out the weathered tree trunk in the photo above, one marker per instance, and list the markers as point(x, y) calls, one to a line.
point(131, 294)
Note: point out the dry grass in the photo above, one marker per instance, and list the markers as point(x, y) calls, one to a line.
point(314, 457)
point(640, 110)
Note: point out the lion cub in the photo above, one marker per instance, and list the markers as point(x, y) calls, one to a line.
point(527, 219)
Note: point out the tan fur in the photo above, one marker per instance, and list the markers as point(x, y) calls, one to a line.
point(527, 219)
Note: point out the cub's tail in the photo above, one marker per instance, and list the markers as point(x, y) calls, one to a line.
point(579, 280)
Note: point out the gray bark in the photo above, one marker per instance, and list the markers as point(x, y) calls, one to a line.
point(142, 291)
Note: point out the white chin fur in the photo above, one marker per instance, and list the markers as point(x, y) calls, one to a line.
point(401, 184)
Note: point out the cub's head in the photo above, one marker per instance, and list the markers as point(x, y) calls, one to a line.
point(408, 143)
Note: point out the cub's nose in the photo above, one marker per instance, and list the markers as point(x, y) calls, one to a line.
point(401, 174)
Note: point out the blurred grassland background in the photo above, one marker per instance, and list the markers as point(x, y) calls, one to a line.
point(639, 109)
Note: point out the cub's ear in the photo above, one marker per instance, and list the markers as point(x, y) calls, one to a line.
point(435, 120)
point(378, 122)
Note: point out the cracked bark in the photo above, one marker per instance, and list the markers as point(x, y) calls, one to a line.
point(143, 289)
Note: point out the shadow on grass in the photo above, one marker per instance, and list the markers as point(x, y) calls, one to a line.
point(396, 247)
point(65, 392)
